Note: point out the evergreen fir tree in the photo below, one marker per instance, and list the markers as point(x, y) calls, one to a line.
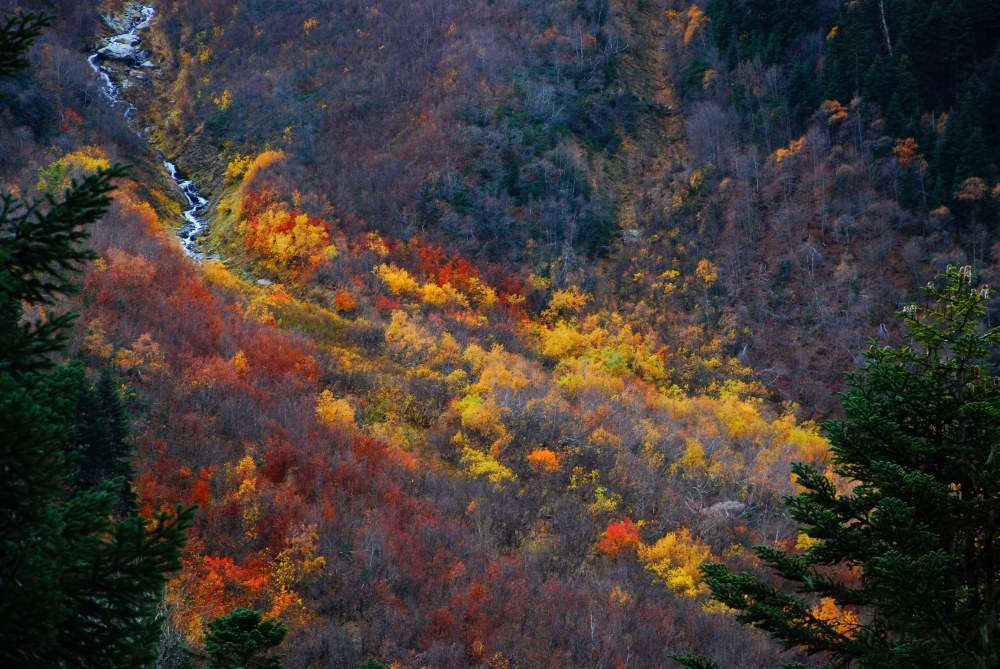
point(989, 104)
point(802, 95)
point(77, 587)
point(905, 541)
point(243, 639)
point(17, 33)
point(97, 444)
point(97, 448)
point(975, 158)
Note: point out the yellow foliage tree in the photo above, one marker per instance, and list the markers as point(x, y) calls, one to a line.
point(434, 295)
point(906, 150)
point(675, 559)
point(564, 341)
point(333, 411)
point(475, 356)
point(696, 20)
point(482, 416)
point(480, 294)
point(298, 561)
point(223, 101)
point(289, 240)
point(409, 340)
point(478, 464)
point(504, 375)
point(245, 474)
point(58, 174)
point(237, 167)
point(261, 162)
point(143, 356)
point(240, 363)
point(397, 279)
point(707, 272)
point(376, 244)
point(564, 304)
point(794, 148)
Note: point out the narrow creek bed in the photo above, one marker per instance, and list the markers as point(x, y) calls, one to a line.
point(125, 48)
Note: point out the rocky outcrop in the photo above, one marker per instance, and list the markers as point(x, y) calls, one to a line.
point(119, 51)
point(127, 38)
point(133, 17)
point(124, 46)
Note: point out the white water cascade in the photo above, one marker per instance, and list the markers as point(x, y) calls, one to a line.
point(140, 19)
point(194, 225)
point(124, 47)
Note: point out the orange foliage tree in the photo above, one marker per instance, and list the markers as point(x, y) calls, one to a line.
point(620, 538)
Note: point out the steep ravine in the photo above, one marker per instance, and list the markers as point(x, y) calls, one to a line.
point(119, 63)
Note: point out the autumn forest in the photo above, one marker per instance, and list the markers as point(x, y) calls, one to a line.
point(498, 333)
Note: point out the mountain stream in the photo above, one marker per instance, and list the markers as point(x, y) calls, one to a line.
point(124, 48)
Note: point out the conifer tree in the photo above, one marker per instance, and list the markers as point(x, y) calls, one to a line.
point(906, 542)
point(243, 639)
point(77, 587)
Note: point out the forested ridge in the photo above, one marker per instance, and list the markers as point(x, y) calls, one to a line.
point(508, 316)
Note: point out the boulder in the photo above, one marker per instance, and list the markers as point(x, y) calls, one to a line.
point(127, 38)
point(727, 508)
point(119, 51)
point(264, 282)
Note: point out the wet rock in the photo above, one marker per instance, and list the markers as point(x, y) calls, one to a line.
point(129, 39)
point(148, 63)
point(119, 51)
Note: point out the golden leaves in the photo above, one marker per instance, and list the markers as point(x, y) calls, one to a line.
point(333, 411)
point(675, 559)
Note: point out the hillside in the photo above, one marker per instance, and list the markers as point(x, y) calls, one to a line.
point(508, 315)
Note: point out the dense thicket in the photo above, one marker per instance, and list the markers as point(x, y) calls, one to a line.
point(478, 123)
point(409, 454)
